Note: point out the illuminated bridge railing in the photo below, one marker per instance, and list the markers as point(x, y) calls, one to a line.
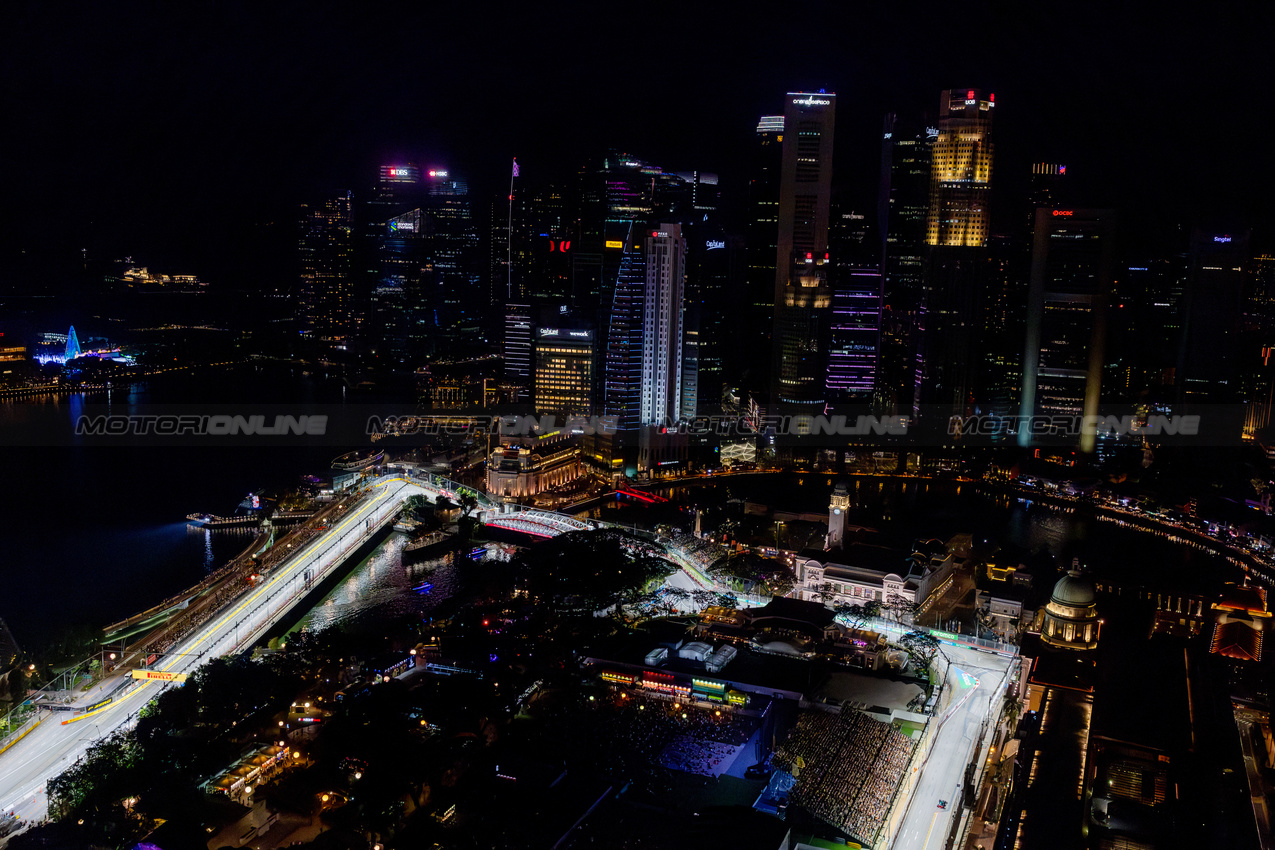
point(539, 523)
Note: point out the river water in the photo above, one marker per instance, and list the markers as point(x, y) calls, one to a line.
point(91, 535)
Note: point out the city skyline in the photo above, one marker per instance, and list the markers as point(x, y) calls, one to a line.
point(225, 119)
point(774, 426)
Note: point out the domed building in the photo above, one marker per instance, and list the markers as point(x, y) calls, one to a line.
point(1071, 617)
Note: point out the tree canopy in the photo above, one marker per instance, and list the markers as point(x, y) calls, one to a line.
point(859, 615)
point(591, 570)
point(752, 571)
point(922, 646)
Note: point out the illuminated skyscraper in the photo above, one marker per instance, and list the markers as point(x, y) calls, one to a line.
point(802, 292)
point(961, 175)
point(326, 307)
point(951, 318)
point(457, 296)
point(564, 371)
point(854, 338)
point(763, 233)
point(1071, 281)
point(518, 331)
point(902, 212)
point(1208, 362)
point(395, 264)
point(623, 356)
point(661, 381)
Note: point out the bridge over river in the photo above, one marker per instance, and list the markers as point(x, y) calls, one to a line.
point(53, 741)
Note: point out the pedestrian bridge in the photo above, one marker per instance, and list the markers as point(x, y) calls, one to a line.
point(538, 523)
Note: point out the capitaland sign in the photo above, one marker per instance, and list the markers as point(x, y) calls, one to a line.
point(714, 244)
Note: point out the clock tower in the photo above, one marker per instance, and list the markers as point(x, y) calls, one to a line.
point(837, 510)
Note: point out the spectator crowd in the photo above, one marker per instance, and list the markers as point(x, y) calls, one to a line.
point(848, 768)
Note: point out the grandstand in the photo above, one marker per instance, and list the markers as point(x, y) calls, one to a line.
point(848, 768)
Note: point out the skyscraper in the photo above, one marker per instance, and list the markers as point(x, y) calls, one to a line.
point(961, 174)
point(1071, 281)
point(394, 262)
point(855, 323)
point(802, 292)
point(661, 381)
point(454, 248)
point(518, 333)
point(564, 371)
point(621, 397)
point(325, 299)
point(902, 212)
point(1213, 305)
point(855, 334)
point(956, 269)
point(758, 319)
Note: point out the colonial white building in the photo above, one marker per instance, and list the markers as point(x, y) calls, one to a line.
point(861, 573)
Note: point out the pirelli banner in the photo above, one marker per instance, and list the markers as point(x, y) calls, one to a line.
point(159, 676)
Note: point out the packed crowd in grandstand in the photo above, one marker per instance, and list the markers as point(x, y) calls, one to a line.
point(702, 553)
point(675, 735)
point(848, 767)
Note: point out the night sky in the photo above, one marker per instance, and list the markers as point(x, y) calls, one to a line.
point(182, 132)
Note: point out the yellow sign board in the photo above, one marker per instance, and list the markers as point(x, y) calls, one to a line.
point(615, 243)
point(158, 676)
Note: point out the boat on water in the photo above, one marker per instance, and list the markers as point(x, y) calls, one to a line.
point(424, 588)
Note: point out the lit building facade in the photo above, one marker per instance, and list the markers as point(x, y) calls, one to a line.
point(661, 379)
point(903, 206)
point(564, 371)
point(326, 308)
point(518, 331)
point(1070, 620)
point(623, 356)
point(526, 466)
point(961, 170)
point(950, 357)
point(803, 295)
point(855, 335)
point(763, 234)
point(1071, 282)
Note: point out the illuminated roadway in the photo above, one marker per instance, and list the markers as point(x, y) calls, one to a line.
point(53, 746)
point(977, 680)
point(62, 738)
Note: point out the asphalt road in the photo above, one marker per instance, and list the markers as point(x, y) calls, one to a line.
point(59, 741)
point(977, 679)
